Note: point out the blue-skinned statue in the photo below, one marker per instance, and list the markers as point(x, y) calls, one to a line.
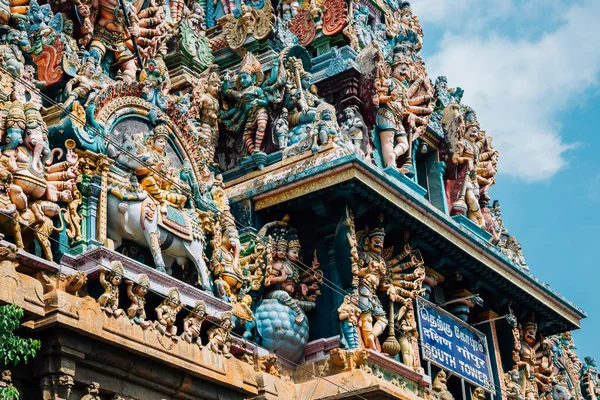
point(288, 291)
point(349, 314)
point(249, 115)
point(301, 100)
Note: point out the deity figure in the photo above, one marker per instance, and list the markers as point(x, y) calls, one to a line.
point(290, 286)
point(161, 190)
point(109, 301)
point(513, 387)
point(464, 191)
point(486, 167)
point(364, 32)
point(37, 183)
point(84, 86)
point(407, 326)
point(219, 336)
point(205, 109)
point(72, 217)
point(326, 129)
point(243, 316)
point(282, 129)
point(589, 379)
point(12, 45)
point(353, 127)
point(533, 357)
point(250, 113)
point(137, 294)
point(375, 270)
point(300, 99)
point(225, 263)
point(128, 33)
point(349, 314)
point(401, 102)
point(192, 324)
point(66, 35)
point(166, 314)
point(282, 272)
point(106, 30)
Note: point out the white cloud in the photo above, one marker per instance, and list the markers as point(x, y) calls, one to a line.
point(520, 86)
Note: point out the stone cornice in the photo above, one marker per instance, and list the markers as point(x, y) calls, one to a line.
point(294, 179)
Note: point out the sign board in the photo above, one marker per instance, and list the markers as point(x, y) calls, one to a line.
point(453, 345)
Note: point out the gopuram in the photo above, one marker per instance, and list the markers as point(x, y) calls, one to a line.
point(258, 199)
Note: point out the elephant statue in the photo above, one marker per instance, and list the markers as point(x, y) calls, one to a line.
point(134, 215)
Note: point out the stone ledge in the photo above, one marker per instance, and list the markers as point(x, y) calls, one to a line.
point(84, 316)
point(90, 262)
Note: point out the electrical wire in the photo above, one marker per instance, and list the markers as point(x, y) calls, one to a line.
point(302, 266)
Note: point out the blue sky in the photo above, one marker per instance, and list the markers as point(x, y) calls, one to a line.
point(531, 71)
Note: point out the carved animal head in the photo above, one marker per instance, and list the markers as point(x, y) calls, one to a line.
point(74, 282)
point(132, 155)
point(560, 392)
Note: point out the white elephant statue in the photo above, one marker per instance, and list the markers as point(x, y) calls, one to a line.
point(134, 215)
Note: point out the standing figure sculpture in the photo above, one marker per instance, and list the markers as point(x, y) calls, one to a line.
point(353, 127)
point(349, 315)
point(462, 133)
point(106, 30)
point(407, 326)
point(205, 110)
point(249, 114)
point(375, 270)
point(532, 358)
point(589, 379)
point(401, 102)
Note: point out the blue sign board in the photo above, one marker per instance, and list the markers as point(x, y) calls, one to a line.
point(453, 345)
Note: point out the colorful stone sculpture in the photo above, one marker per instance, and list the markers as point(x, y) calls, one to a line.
point(532, 356)
point(375, 270)
point(109, 301)
point(589, 378)
point(192, 324)
point(250, 21)
point(249, 115)
point(137, 294)
point(403, 102)
point(166, 314)
point(219, 336)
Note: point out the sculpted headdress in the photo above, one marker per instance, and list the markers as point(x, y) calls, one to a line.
point(251, 65)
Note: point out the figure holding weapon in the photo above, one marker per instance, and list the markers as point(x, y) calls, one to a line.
point(112, 26)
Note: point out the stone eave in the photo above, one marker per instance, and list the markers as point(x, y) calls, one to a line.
point(332, 171)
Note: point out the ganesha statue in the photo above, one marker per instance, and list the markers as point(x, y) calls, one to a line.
point(39, 182)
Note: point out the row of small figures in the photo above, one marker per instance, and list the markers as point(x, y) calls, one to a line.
point(219, 336)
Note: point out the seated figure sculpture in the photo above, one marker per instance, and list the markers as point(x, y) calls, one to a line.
point(152, 179)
